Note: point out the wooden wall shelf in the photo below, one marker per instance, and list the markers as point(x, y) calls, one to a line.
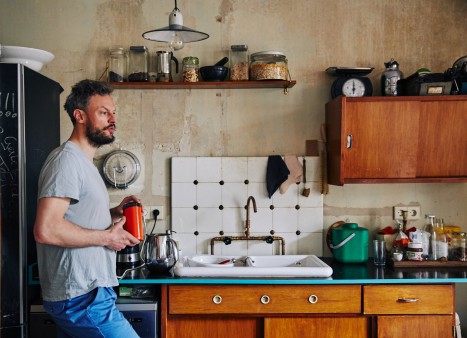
point(205, 85)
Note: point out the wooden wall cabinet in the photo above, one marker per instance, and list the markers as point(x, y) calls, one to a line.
point(296, 311)
point(396, 139)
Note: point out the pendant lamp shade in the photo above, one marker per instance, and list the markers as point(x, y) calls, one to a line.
point(175, 33)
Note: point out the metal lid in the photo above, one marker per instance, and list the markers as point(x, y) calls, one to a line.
point(190, 60)
point(268, 53)
point(239, 48)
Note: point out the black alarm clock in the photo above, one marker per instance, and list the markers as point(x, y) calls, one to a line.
point(350, 82)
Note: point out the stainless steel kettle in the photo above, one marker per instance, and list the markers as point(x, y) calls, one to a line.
point(160, 252)
point(164, 66)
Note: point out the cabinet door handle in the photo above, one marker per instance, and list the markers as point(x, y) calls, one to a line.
point(407, 300)
point(349, 141)
point(313, 299)
point(265, 299)
point(217, 299)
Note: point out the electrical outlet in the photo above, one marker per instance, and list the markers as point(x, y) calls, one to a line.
point(413, 212)
point(148, 212)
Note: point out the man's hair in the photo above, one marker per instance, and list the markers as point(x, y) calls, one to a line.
point(81, 93)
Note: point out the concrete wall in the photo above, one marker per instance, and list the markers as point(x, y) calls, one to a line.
point(159, 124)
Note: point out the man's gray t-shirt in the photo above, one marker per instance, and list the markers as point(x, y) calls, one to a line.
point(65, 273)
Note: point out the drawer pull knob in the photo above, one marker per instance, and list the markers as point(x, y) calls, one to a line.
point(407, 300)
point(265, 299)
point(313, 299)
point(217, 299)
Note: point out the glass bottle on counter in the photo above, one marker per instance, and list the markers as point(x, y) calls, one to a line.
point(138, 69)
point(118, 62)
point(239, 65)
point(442, 240)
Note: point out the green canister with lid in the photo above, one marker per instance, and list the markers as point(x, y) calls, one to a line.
point(350, 243)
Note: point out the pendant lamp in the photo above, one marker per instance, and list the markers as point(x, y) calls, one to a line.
point(175, 33)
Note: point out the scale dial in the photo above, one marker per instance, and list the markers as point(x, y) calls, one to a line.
point(353, 87)
point(121, 168)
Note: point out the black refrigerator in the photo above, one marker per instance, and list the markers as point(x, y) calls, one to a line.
point(29, 130)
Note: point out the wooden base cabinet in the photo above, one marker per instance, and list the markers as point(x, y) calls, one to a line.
point(300, 311)
point(396, 139)
point(400, 311)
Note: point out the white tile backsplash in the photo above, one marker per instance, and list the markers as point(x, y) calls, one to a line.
point(209, 195)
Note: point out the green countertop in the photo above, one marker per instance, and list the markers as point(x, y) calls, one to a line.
point(364, 273)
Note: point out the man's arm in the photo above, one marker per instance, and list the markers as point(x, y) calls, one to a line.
point(52, 228)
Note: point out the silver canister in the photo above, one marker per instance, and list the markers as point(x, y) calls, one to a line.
point(390, 77)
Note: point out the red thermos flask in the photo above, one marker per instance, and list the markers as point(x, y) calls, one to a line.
point(133, 212)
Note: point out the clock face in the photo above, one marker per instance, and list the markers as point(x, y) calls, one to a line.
point(353, 87)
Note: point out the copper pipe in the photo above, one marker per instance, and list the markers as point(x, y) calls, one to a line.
point(247, 222)
point(227, 239)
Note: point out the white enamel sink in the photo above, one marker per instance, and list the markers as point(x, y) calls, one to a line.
point(252, 266)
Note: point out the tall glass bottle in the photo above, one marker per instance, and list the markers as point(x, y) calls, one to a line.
point(441, 240)
point(430, 227)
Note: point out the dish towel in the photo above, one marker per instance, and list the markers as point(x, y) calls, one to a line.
point(276, 173)
point(295, 172)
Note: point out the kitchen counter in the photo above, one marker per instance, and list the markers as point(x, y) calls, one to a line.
point(364, 273)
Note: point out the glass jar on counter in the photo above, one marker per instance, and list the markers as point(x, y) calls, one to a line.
point(268, 66)
point(190, 69)
point(414, 251)
point(239, 65)
point(118, 63)
point(458, 247)
point(138, 68)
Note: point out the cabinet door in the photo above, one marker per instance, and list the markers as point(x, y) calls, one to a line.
point(203, 327)
point(327, 327)
point(380, 139)
point(419, 326)
point(442, 139)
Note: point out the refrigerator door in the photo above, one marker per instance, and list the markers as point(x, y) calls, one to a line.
point(29, 130)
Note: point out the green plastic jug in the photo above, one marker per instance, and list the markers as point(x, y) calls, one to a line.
point(350, 243)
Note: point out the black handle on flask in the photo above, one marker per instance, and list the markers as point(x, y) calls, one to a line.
point(176, 63)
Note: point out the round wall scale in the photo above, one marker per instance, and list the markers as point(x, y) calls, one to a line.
point(121, 168)
point(350, 81)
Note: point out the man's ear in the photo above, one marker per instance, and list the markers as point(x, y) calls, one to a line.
point(80, 115)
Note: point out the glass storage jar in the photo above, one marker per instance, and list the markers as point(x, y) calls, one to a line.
point(268, 66)
point(118, 63)
point(138, 69)
point(458, 247)
point(239, 65)
point(190, 69)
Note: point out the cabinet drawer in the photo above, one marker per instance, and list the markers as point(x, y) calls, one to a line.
point(408, 299)
point(242, 299)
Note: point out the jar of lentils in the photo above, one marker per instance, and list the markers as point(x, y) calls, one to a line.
point(268, 66)
point(190, 69)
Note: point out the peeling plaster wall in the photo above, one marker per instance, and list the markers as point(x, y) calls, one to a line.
point(159, 124)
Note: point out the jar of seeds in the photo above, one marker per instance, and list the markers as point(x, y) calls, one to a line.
point(268, 66)
point(190, 69)
point(239, 65)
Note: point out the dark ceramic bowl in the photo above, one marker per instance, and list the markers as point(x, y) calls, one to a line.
point(213, 73)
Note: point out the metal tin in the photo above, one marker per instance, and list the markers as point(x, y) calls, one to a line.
point(268, 65)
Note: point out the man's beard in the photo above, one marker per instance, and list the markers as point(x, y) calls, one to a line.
point(97, 137)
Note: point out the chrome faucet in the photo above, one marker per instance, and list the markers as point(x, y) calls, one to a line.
point(247, 222)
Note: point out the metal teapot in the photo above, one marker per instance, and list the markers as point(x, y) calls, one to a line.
point(160, 252)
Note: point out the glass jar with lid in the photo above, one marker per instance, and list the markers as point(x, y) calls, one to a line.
point(268, 66)
point(118, 62)
point(239, 65)
point(190, 69)
point(458, 247)
point(138, 68)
